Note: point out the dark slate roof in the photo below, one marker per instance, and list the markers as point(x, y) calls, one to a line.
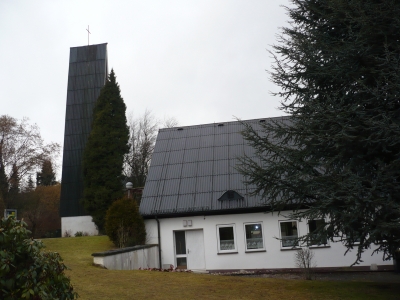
point(86, 76)
point(193, 167)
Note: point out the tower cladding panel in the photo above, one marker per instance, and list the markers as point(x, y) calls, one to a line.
point(88, 69)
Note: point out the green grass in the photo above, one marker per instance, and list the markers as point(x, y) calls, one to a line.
point(96, 283)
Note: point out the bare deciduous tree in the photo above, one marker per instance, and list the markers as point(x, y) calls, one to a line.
point(304, 260)
point(142, 138)
point(22, 148)
point(169, 122)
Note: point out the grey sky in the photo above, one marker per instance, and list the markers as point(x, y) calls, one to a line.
point(198, 61)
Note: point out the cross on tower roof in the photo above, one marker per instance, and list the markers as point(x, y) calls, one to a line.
point(88, 34)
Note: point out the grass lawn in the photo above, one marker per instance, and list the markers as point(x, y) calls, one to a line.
point(96, 283)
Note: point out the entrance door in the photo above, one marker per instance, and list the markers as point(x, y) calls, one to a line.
point(195, 249)
point(189, 249)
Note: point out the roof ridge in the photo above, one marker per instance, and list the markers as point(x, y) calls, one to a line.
point(226, 122)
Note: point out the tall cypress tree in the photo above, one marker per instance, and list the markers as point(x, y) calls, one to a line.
point(338, 154)
point(14, 180)
point(3, 178)
point(46, 176)
point(14, 186)
point(104, 152)
point(30, 186)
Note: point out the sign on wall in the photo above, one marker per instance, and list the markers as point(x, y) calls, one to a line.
point(10, 212)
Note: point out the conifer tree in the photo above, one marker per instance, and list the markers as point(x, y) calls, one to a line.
point(30, 186)
point(14, 180)
point(3, 181)
point(337, 155)
point(46, 176)
point(14, 183)
point(104, 152)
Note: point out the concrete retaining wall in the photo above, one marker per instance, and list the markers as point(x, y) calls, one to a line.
point(131, 258)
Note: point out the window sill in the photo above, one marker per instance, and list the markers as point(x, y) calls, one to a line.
point(290, 249)
point(322, 246)
point(219, 253)
point(258, 250)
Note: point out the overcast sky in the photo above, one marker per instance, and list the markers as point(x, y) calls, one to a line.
point(198, 61)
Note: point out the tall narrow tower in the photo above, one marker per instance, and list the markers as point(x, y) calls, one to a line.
point(88, 69)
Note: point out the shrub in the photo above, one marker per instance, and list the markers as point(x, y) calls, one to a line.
point(124, 225)
point(304, 259)
point(81, 233)
point(26, 271)
point(67, 233)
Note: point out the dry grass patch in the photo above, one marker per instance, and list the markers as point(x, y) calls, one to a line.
point(96, 283)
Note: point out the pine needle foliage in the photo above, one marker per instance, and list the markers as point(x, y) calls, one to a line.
point(46, 176)
point(104, 152)
point(4, 185)
point(337, 154)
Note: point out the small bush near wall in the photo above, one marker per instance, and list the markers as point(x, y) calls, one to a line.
point(304, 259)
point(124, 225)
point(26, 271)
point(81, 233)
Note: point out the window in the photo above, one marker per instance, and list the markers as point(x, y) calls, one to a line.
point(226, 238)
point(254, 236)
point(315, 238)
point(289, 234)
point(353, 237)
point(180, 250)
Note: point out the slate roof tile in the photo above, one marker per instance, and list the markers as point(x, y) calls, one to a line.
point(193, 166)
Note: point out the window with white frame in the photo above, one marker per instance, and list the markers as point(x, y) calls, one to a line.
point(226, 238)
point(353, 234)
point(289, 234)
point(314, 228)
point(254, 236)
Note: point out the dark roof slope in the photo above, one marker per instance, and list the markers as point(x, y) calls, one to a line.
point(193, 167)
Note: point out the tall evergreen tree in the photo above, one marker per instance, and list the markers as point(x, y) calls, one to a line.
point(3, 182)
point(14, 189)
point(46, 176)
point(30, 185)
point(14, 180)
point(104, 152)
point(338, 154)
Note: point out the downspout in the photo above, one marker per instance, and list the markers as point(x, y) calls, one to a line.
point(159, 241)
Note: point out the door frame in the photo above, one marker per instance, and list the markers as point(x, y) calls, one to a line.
point(187, 247)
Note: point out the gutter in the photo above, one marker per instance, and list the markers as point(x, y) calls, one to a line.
point(159, 241)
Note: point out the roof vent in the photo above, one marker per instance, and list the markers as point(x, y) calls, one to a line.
point(180, 129)
point(219, 125)
point(262, 121)
point(230, 195)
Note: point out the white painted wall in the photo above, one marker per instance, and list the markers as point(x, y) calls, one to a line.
point(273, 257)
point(75, 224)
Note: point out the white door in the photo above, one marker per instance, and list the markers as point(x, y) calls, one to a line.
point(195, 249)
point(189, 249)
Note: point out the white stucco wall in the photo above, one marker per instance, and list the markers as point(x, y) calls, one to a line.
point(75, 224)
point(272, 257)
